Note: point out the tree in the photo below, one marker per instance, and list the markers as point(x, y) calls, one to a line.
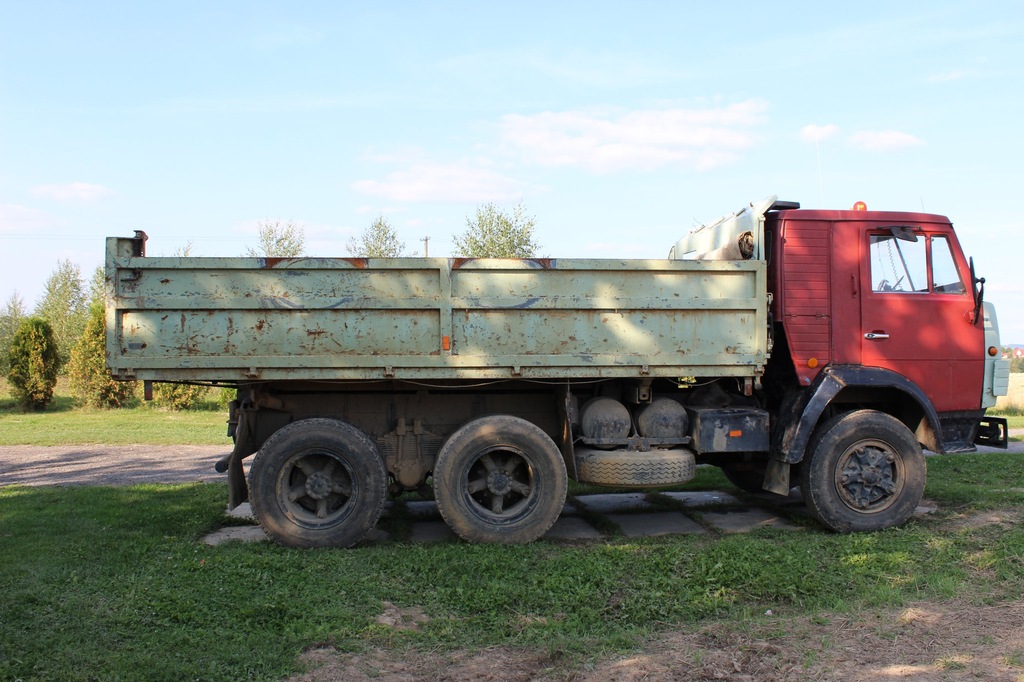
point(11, 316)
point(279, 241)
point(63, 305)
point(495, 234)
point(97, 288)
point(90, 381)
point(1016, 358)
point(34, 363)
point(379, 240)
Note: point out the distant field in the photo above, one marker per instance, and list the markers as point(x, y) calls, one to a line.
point(1014, 401)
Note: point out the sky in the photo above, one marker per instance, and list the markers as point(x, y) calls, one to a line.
point(618, 126)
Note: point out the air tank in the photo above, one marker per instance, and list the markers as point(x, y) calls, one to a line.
point(604, 417)
point(662, 418)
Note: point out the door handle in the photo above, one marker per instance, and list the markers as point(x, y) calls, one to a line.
point(876, 336)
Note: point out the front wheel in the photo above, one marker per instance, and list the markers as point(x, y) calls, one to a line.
point(866, 472)
point(500, 479)
point(318, 483)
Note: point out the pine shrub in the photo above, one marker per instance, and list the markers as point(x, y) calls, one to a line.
point(90, 381)
point(34, 364)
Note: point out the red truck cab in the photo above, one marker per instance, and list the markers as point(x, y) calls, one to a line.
point(886, 304)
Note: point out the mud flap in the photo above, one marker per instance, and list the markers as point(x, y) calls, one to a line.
point(776, 477)
point(238, 487)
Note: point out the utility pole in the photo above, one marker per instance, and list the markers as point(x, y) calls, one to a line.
point(425, 253)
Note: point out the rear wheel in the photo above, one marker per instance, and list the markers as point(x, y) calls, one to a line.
point(866, 472)
point(318, 483)
point(500, 479)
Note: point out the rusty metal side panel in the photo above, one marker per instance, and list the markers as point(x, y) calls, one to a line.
point(191, 319)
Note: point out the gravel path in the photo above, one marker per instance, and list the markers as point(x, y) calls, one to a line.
point(109, 464)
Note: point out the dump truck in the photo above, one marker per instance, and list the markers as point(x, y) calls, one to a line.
point(819, 349)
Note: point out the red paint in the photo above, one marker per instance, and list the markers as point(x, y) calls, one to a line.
point(821, 277)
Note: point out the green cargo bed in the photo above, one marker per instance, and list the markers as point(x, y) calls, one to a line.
point(262, 319)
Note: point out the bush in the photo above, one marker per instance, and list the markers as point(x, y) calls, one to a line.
point(178, 396)
point(225, 395)
point(90, 381)
point(34, 364)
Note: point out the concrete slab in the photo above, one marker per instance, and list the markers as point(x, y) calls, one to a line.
point(702, 498)
point(745, 520)
point(375, 536)
point(431, 531)
point(653, 525)
point(427, 509)
point(608, 503)
point(242, 511)
point(571, 528)
point(235, 534)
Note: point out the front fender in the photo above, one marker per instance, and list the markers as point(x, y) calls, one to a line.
point(802, 414)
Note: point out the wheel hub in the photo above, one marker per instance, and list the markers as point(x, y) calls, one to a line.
point(499, 482)
point(867, 477)
point(319, 485)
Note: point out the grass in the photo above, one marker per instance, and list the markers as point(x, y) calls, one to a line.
point(111, 583)
point(64, 423)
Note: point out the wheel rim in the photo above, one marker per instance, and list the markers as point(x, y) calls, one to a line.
point(316, 487)
point(499, 483)
point(869, 476)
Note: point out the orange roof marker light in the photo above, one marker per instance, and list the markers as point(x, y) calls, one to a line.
point(860, 206)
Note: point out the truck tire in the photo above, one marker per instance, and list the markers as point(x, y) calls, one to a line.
point(318, 483)
point(500, 479)
point(635, 469)
point(866, 472)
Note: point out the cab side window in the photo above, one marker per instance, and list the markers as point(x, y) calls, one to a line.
point(898, 265)
point(944, 274)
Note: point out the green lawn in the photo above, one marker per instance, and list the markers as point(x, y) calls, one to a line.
point(63, 423)
point(111, 583)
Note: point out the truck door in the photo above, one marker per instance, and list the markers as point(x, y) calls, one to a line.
point(916, 313)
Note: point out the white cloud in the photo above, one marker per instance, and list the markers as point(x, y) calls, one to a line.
point(817, 133)
point(603, 142)
point(884, 140)
point(74, 191)
point(15, 218)
point(462, 182)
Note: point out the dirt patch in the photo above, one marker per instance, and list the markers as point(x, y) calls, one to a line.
point(924, 642)
point(402, 619)
point(1002, 518)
